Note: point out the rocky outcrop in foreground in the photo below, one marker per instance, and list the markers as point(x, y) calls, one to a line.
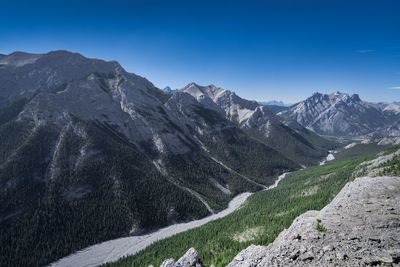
point(360, 227)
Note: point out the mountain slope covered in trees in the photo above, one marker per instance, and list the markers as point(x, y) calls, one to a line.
point(265, 213)
point(90, 152)
point(260, 122)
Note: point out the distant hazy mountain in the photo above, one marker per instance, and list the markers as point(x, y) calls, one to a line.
point(90, 152)
point(169, 90)
point(275, 106)
point(392, 108)
point(274, 103)
point(341, 114)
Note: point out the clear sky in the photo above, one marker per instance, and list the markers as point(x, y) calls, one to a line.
point(263, 50)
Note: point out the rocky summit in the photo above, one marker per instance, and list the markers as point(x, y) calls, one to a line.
point(286, 136)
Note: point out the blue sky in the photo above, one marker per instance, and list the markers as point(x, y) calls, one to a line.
point(263, 50)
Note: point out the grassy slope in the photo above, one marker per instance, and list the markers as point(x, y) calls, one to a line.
point(268, 212)
point(391, 167)
point(301, 146)
point(360, 149)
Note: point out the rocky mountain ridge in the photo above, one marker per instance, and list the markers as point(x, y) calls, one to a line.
point(83, 138)
point(262, 123)
point(344, 115)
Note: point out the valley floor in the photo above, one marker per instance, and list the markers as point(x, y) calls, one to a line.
point(113, 250)
point(265, 214)
point(259, 221)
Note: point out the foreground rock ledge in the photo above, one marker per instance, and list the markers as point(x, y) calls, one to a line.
point(360, 227)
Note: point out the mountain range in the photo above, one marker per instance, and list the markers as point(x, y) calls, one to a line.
point(169, 89)
point(90, 152)
point(345, 115)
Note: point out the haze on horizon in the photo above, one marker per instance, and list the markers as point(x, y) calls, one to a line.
point(264, 50)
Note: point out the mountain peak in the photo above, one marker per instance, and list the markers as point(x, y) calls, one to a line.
point(192, 84)
point(356, 97)
point(197, 90)
point(63, 52)
point(316, 94)
point(169, 89)
point(346, 96)
point(18, 58)
point(339, 95)
point(339, 114)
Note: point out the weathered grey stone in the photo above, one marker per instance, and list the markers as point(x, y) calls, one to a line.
point(395, 253)
point(378, 260)
point(355, 236)
point(294, 254)
point(190, 259)
point(328, 248)
point(341, 256)
point(307, 256)
point(168, 263)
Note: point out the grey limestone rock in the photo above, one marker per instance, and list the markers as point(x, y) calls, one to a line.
point(361, 207)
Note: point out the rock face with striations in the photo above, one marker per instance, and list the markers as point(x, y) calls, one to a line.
point(360, 227)
point(341, 114)
point(287, 136)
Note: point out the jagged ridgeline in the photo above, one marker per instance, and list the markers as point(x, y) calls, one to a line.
point(90, 152)
point(345, 115)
